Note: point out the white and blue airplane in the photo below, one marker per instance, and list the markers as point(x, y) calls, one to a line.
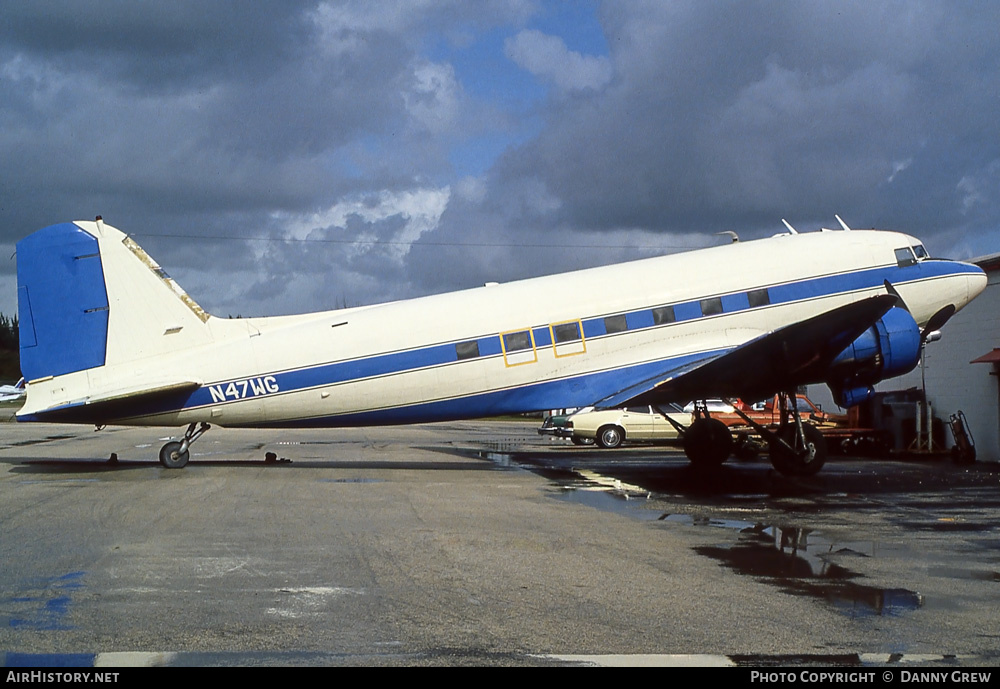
point(107, 337)
point(9, 393)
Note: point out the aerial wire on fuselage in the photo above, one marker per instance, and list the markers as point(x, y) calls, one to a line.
point(375, 242)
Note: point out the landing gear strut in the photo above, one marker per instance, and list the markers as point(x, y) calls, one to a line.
point(797, 448)
point(707, 441)
point(175, 455)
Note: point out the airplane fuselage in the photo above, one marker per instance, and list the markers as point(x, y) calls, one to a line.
point(558, 341)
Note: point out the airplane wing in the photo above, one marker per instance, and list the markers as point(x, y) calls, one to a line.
point(777, 361)
point(123, 402)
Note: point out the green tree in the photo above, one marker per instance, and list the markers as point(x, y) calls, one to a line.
point(10, 359)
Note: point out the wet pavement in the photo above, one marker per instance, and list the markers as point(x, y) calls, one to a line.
point(867, 538)
point(480, 543)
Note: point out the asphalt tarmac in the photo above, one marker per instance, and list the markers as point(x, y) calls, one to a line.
point(480, 543)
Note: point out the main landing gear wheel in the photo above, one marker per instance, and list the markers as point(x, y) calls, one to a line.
point(707, 443)
point(796, 459)
point(172, 458)
point(610, 437)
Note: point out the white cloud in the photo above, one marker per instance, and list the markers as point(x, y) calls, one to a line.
point(433, 99)
point(548, 58)
point(472, 189)
point(343, 25)
point(899, 166)
point(969, 190)
point(419, 209)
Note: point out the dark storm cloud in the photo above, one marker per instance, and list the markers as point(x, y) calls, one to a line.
point(733, 115)
point(225, 119)
point(194, 107)
point(189, 118)
point(158, 46)
point(331, 133)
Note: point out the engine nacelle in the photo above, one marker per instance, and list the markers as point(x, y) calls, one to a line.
point(889, 348)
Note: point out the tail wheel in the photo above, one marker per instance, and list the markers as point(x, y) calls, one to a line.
point(172, 458)
point(707, 442)
point(175, 455)
point(610, 437)
point(797, 459)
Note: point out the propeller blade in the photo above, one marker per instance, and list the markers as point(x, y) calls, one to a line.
point(938, 320)
point(892, 290)
point(935, 322)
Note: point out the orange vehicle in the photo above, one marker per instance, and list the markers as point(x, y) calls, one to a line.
point(767, 413)
point(843, 433)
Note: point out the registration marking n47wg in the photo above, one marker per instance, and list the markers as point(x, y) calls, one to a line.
point(241, 389)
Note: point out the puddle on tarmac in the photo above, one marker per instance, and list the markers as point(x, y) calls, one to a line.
point(501, 452)
point(801, 561)
point(501, 459)
point(797, 560)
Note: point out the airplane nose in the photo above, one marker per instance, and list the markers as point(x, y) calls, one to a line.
point(975, 283)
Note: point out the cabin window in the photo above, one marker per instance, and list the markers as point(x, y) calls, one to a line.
point(758, 297)
point(518, 347)
point(905, 257)
point(663, 314)
point(615, 324)
point(566, 332)
point(514, 342)
point(467, 350)
point(711, 306)
point(567, 338)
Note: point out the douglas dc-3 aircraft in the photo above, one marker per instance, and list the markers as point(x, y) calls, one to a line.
point(107, 337)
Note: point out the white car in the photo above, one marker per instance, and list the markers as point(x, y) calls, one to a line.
point(714, 406)
point(609, 428)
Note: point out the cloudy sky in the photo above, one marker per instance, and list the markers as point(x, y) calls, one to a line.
point(279, 157)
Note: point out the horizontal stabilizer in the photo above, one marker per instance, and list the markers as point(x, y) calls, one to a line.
point(115, 404)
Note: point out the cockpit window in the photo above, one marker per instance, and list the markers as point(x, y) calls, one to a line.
point(905, 257)
point(920, 252)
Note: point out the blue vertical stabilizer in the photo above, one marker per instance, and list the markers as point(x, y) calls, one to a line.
point(62, 303)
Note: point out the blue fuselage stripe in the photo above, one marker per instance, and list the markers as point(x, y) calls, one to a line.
point(552, 394)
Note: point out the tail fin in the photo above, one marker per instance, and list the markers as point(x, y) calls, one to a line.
point(88, 296)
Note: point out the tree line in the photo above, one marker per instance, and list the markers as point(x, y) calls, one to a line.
point(10, 359)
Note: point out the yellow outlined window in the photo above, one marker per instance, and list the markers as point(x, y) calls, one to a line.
point(567, 338)
point(518, 347)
